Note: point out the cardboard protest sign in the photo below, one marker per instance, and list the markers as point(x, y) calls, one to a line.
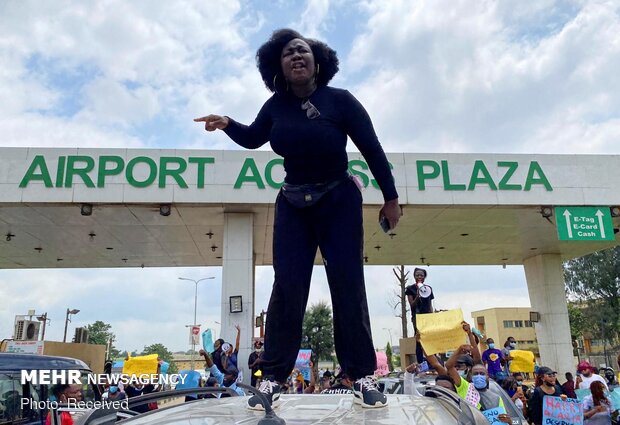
point(441, 332)
point(492, 415)
point(562, 412)
point(207, 341)
point(140, 365)
point(522, 361)
point(382, 364)
point(303, 363)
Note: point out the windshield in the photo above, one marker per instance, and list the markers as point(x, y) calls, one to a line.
point(27, 402)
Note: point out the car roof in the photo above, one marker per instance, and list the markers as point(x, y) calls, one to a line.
point(308, 409)
point(15, 361)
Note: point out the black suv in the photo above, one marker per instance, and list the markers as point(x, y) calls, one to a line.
point(25, 404)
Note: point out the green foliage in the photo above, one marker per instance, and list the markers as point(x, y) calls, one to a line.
point(594, 282)
point(101, 333)
point(577, 320)
point(318, 332)
point(388, 354)
point(163, 353)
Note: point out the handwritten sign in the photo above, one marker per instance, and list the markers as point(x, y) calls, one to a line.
point(441, 332)
point(562, 412)
point(522, 361)
point(492, 415)
point(303, 363)
point(382, 364)
point(141, 365)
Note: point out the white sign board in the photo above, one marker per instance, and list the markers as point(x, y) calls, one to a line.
point(27, 347)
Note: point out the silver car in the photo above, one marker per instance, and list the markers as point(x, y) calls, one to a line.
point(438, 407)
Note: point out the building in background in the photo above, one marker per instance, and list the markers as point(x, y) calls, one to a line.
point(501, 322)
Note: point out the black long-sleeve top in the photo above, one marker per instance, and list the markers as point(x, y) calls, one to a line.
point(314, 150)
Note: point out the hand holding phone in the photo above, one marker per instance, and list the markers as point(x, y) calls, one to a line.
point(385, 224)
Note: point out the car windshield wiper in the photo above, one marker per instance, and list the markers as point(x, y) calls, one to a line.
point(270, 417)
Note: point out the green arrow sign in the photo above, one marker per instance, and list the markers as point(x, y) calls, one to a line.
point(584, 224)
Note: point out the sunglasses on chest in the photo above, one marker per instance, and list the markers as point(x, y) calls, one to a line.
point(311, 111)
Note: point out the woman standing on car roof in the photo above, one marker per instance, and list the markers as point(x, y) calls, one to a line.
point(319, 206)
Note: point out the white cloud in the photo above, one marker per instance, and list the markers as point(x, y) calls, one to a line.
point(439, 76)
point(110, 101)
point(313, 17)
point(460, 81)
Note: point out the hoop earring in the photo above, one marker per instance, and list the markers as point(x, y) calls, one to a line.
point(316, 73)
point(275, 87)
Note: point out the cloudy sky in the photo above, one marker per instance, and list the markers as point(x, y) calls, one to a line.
point(441, 76)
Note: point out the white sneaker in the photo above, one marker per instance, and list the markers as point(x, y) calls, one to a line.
point(366, 393)
point(271, 390)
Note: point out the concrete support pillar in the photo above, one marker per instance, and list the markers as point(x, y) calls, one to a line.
point(545, 284)
point(238, 279)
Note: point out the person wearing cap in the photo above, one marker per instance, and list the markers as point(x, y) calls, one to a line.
point(548, 387)
point(229, 355)
point(420, 297)
point(227, 379)
point(216, 355)
point(586, 376)
point(459, 367)
point(254, 361)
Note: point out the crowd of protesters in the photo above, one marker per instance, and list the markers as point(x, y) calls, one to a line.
point(468, 373)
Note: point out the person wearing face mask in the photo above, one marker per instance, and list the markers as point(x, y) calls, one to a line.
point(549, 387)
point(516, 393)
point(488, 399)
point(509, 345)
point(492, 359)
point(227, 379)
point(114, 394)
point(459, 367)
point(586, 376)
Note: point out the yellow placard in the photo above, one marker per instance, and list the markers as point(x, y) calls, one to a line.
point(441, 332)
point(141, 365)
point(522, 361)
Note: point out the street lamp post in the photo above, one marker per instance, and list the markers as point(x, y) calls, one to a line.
point(390, 332)
point(603, 323)
point(43, 318)
point(67, 320)
point(196, 282)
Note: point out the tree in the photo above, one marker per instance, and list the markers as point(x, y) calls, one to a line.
point(399, 301)
point(594, 281)
point(577, 320)
point(163, 353)
point(101, 333)
point(318, 332)
point(388, 354)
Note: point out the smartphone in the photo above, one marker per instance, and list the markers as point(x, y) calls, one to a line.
point(385, 224)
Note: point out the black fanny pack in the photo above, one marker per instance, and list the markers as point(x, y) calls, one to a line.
point(306, 195)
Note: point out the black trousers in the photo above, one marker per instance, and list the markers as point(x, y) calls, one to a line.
point(333, 224)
